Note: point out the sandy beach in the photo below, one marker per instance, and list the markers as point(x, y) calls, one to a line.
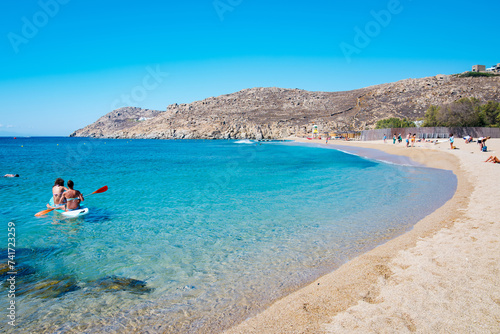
point(443, 276)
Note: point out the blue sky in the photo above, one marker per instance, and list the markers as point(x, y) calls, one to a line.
point(65, 63)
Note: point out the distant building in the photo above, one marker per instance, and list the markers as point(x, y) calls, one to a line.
point(493, 68)
point(478, 68)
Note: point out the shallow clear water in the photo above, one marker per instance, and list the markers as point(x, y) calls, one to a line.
point(216, 229)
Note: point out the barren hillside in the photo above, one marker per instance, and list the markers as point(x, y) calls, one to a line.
point(277, 112)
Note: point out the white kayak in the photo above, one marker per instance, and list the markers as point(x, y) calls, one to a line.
point(72, 213)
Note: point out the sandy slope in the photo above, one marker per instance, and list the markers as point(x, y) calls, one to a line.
point(441, 277)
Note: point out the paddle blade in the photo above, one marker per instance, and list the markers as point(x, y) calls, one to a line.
point(100, 190)
point(41, 213)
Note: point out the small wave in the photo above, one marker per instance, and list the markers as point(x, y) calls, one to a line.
point(244, 141)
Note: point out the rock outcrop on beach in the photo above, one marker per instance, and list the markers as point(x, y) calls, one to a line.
point(258, 113)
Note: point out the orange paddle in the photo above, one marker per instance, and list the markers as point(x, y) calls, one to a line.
point(98, 191)
point(41, 213)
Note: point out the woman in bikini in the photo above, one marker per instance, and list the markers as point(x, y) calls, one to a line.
point(493, 159)
point(72, 197)
point(57, 190)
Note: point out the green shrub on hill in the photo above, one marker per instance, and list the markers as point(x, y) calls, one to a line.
point(394, 122)
point(477, 74)
point(490, 114)
point(466, 112)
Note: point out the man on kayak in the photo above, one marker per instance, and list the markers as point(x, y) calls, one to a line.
point(72, 197)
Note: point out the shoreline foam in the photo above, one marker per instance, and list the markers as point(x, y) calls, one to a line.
point(436, 277)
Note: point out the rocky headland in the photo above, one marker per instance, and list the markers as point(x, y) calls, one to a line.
point(269, 113)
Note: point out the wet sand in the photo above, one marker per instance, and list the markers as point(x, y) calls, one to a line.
point(442, 276)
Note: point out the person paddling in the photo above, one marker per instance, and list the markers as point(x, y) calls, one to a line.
point(72, 197)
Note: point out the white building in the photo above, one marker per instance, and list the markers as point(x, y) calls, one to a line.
point(494, 68)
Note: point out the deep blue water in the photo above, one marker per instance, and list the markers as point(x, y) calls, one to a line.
point(214, 229)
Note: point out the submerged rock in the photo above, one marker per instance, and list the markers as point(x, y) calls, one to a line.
point(20, 270)
point(18, 258)
point(115, 283)
point(22, 254)
point(48, 288)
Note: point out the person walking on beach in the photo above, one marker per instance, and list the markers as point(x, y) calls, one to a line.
point(452, 139)
point(394, 139)
point(385, 138)
point(408, 140)
point(72, 197)
point(413, 140)
point(400, 139)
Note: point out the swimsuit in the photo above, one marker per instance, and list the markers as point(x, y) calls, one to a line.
point(57, 196)
point(72, 199)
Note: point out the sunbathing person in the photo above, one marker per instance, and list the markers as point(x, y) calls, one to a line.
point(493, 159)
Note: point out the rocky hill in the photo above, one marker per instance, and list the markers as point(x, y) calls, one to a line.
point(258, 113)
point(116, 121)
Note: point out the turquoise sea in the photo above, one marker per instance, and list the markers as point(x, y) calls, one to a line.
point(192, 236)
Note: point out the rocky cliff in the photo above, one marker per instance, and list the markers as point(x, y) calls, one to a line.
point(258, 113)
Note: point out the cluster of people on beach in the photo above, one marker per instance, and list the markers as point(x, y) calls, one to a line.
point(65, 198)
point(481, 141)
point(410, 139)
